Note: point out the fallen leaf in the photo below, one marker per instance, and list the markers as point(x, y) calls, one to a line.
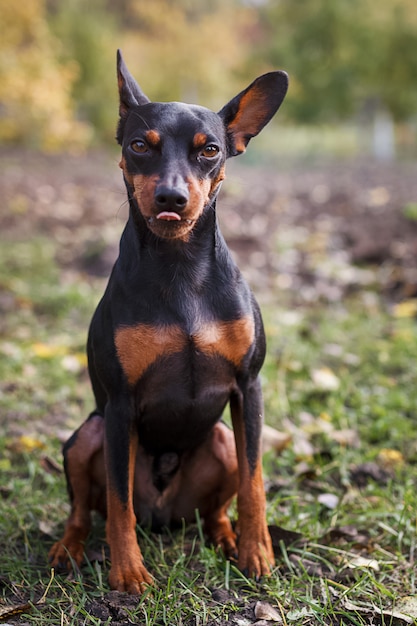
point(46, 351)
point(361, 474)
point(278, 535)
point(407, 605)
point(71, 363)
point(363, 563)
point(50, 466)
point(378, 196)
point(325, 380)
point(300, 614)
point(273, 439)
point(310, 567)
point(408, 308)
point(26, 443)
point(329, 500)
point(341, 535)
point(11, 610)
point(46, 528)
point(5, 465)
point(264, 611)
point(390, 458)
point(300, 439)
point(346, 437)
point(372, 610)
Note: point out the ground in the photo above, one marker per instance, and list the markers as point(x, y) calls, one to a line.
point(308, 237)
point(279, 221)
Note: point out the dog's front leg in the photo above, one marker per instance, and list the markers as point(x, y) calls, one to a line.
point(128, 572)
point(256, 556)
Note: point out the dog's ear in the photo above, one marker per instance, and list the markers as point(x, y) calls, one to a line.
point(129, 91)
point(247, 114)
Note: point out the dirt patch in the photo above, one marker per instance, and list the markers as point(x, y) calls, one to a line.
point(302, 229)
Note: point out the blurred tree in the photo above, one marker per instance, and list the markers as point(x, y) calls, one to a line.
point(35, 89)
point(344, 56)
point(188, 49)
point(89, 32)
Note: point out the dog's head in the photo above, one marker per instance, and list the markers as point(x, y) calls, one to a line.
point(173, 154)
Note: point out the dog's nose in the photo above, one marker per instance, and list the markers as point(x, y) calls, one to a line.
point(171, 198)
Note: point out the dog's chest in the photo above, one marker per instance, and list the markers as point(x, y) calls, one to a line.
point(144, 345)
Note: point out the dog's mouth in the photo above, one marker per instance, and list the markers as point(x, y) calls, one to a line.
point(169, 216)
point(170, 225)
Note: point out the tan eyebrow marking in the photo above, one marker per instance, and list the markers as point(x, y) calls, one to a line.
point(200, 140)
point(153, 138)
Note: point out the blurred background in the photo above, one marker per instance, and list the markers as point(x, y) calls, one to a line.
point(321, 212)
point(352, 64)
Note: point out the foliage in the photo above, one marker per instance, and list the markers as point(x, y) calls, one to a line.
point(35, 88)
point(188, 51)
point(344, 56)
point(57, 59)
point(91, 44)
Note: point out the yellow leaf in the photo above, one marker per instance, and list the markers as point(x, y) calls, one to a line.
point(26, 443)
point(325, 416)
point(408, 308)
point(5, 465)
point(81, 358)
point(390, 458)
point(46, 351)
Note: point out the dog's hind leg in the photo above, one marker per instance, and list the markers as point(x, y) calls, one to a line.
point(209, 480)
point(84, 469)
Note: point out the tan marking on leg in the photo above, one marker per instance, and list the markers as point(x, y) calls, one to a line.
point(128, 572)
point(256, 555)
point(80, 462)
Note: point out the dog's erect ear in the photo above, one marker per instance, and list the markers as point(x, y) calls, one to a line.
point(129, 91)
point(247, 114)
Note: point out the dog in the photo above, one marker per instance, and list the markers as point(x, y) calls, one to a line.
point(177, 336)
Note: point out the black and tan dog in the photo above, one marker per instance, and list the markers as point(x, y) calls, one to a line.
point(177, 336)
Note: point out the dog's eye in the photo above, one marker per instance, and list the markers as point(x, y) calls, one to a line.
point(139, 146)
point(210, 151)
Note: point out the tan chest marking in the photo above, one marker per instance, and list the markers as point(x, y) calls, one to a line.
point(138, 347)
point(231, 340)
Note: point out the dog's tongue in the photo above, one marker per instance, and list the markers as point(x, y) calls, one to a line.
point(169, 216)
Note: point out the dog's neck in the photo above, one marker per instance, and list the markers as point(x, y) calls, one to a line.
point(172, 262)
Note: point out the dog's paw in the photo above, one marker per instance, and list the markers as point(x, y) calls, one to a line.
point(134, 579)
point(65, 555)
point(221, 534)
point(256, 557)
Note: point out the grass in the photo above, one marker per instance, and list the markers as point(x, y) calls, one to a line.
point(340, 377)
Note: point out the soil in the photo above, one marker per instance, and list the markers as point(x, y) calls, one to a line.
point(314, 231)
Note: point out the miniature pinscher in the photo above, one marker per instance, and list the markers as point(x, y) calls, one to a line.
point(176, 337)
